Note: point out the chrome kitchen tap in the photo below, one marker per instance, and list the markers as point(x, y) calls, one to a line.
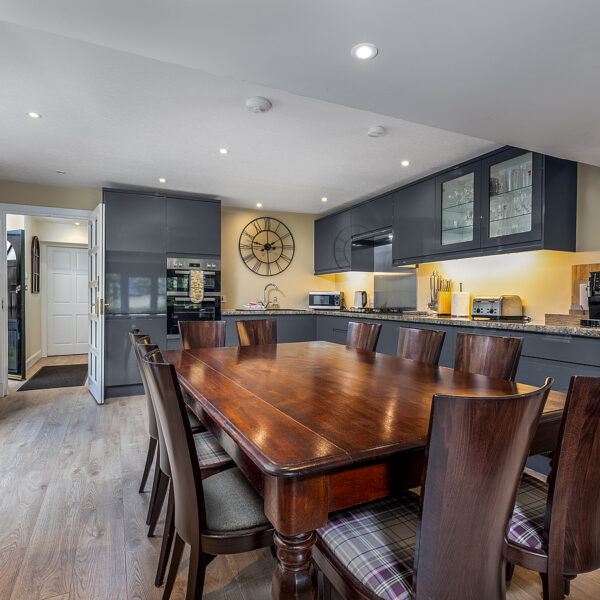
point(265, 301)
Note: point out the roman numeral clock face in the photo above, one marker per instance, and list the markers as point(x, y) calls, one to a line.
point(267, 246)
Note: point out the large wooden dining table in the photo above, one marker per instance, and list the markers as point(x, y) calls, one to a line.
point(317, 427)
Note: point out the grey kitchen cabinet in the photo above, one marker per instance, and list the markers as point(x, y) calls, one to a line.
point(290, 328)
point(121, 372)
point(373, 215)
point(333, 243)
point(414, 222)
point(134, 221)
point(193, 226)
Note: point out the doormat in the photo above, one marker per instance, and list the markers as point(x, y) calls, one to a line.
point(56, 377)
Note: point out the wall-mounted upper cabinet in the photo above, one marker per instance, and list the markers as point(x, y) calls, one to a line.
point(373, 215)
point(193, 226)
point(508, 201)
point(333, 243)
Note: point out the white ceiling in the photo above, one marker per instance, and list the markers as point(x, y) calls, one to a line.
point(523, 73)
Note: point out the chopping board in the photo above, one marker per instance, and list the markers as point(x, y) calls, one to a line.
point(580, 274)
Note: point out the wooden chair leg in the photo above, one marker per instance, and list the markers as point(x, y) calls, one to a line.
point(553, 586)
point(161, 492)
point(196, 574)
point(510, 569)
point(568, 579)
point(167, 541)
point(178, 545)
point(149, 458)
point(157, 473)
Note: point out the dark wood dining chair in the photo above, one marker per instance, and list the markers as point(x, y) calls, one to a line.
point(221, 514)
point(449, 542)
point(422, 345)
point(490, 355)
point(134, 337)
point(202, 334)
point(257, 331)
point(211, 459)
point(363, 336)
point(555, 527)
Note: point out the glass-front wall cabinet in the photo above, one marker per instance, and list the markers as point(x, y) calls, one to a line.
point(458, 197)
point(511, 184)
point(512, 210)
point(458, 208)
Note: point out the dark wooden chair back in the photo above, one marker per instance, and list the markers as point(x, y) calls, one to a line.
point(475, 456)
point(422, 345)
point(139, 338)
point(363, 336)
point(190, 517)
point(257, 332)
point(202, 334)
point(573, 518)
point(490, 355)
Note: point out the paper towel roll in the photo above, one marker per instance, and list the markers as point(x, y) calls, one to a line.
point(461, 304)
point(583, 296)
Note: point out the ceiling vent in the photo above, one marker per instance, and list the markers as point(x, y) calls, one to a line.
point(258, 104)
point(376, 131)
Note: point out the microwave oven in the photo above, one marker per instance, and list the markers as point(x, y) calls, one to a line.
point(326, 300)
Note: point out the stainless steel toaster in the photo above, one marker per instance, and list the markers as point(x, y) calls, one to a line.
point(497, 307)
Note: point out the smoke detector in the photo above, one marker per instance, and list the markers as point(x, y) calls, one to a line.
point(258, 104)
point(376, 131)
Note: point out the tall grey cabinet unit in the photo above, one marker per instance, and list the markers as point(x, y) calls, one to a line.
point(193, 226)
point(141, 228)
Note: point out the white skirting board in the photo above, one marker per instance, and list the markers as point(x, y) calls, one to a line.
point(33, 359)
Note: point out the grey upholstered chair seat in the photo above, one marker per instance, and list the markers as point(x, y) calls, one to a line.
point(231, 502)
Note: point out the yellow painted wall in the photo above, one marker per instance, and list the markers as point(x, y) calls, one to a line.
point(36, 194)
point(240, 285)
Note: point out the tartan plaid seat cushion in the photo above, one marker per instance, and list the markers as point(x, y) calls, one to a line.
point(375, 542)
point(527, 523)
point(208, 450)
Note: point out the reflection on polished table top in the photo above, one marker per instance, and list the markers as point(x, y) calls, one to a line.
point(309, 406)
point(317, 427)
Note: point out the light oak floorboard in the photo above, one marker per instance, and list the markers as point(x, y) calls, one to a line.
point(74, 524)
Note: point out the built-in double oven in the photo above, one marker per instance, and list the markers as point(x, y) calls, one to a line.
point(193, 291)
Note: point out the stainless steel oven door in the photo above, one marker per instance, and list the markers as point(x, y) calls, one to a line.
point(183, 309)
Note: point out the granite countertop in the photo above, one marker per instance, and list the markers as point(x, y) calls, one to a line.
point(531, 327)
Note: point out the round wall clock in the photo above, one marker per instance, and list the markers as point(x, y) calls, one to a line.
point(266, 246)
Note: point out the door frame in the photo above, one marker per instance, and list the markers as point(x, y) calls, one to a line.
point(30, 211)
point(44, 285)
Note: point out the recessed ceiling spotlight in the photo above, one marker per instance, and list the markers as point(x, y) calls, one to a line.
point(162, 180)
point(223, 151)
point(405, 163)
point(77, 223)
point(324, 199)
point(364, 51)
point(376, 131)
point(34, 115)
point(258, 104)
point(61, 172)
point(258, 205)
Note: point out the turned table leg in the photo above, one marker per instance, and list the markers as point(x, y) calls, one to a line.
point(295, 576)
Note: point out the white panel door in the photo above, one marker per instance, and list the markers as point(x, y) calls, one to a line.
point(67, 300)
point(95, 320)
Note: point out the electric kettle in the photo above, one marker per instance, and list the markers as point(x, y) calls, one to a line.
point(360, 299)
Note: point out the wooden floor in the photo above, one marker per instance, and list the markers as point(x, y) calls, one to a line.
point(73, 523)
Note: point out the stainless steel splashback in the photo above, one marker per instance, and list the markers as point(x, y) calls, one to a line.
point(396, 290)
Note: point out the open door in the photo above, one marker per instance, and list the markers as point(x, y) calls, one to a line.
point(96, 304)
point(3, 312)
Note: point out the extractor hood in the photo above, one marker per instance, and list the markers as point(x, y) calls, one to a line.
point(372, 252)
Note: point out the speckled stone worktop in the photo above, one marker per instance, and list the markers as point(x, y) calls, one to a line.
point(531, 327)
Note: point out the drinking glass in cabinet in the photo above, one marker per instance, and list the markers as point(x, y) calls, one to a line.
point(510, 187)
point(457, 209)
